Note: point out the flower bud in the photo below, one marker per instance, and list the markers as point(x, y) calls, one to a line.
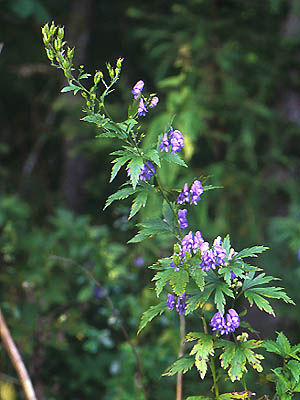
point(52, 28)
point(70, 53)
point(188, 256)
point(49, 54)
point(46, 30)
point(61, 33)
point(176, 248)
point(65, 63)
point(97, 77)
point(93, 96)
point(57, 44)
point(119, 62)
point(176, 259)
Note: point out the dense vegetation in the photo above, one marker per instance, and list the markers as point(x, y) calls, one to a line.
point(229, 72)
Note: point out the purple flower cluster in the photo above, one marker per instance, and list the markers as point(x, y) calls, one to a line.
point(173, 139)
point(192, 196)
point(180, 303)
point(226, 324)
point(142, 109)
point(190, 244)
point(146, 172)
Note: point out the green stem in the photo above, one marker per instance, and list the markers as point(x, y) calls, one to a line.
point(213, 370)
point(169, 203)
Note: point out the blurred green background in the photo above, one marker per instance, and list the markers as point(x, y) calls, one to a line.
point(230, 71)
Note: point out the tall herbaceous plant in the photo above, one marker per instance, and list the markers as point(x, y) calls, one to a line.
point(197, 272)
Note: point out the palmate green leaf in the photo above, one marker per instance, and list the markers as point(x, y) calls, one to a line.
point(245, 395)
point(139, 202)
point(202, 350)
point(211, 187)
point(236, 355)
point(178, 281)
point(150, 227)
point(284, 343)
point(168, 215)
point(135, 166)
point(172, 158)
point(183, 365)
point(257, 295)
point(273, 347)
point(198, 276)
point(118, 163)
point(220, 288)
point(152, 312)
point(294, 367)
point(251, 252)
point(119, 195)
point(198, 300)
point(161, 278)
point(152, 155)
point(113, 129)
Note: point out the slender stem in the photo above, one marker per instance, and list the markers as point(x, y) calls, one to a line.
point(213, 370)
point(16, 359)
point(168, 201)
point(116, 316)
point(180, 354)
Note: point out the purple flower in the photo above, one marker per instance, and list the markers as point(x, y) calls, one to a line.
point(218, 323)
point(171, 301)
point(187, 244)
point(198, 241)
point(137, 88)
point(196, 191)
point(232, 322)
point(182, 219)
point(220, 253)
point(147, 171)
point(154, 102)
point(165, 144)
point(139, 261)
point(208, 260)
point(180, 305)
point(176, 140)
point(184, 196)
point(142, 110)
point(232, 275)
point(299, 255)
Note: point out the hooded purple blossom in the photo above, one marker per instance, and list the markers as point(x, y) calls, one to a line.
point(225, 325)
point(196, 191)
point(142, 110)
point(171, 301)
point(176, 140)
point(154, 101)
point(165, 144)
point(137, 88)
point(180, 304)
point(184, 196)
point(182, 219)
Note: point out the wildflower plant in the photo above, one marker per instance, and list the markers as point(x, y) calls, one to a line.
point(197, 272)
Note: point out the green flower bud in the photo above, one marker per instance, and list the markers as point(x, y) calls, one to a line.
point(176, 259)
point(49, 54)
point(70, 53)
point(46, 30)
point(57, 44)
point(119, 62)
point(97, 77)
point(93, 96)
point(188, 256)
point(65, 63)
point(61, 32)
point(176, 248)
point(53, 28)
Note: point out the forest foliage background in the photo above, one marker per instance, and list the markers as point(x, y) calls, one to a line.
point(230, 72)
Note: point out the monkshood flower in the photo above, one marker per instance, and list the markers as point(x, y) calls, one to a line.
point(228, 325)
point(142, 110)
point(165, 144)
point(146, 172)
point(137, 88)
point(220, 253)
point(180, 304)
point(184, 196)
point(192, 244)
point(171, 301)
point(232, 320)
point(208, 260)
point(172, 264)
point(182, 219)
point(195, 192)
point(154, 101)
point(176, 140)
